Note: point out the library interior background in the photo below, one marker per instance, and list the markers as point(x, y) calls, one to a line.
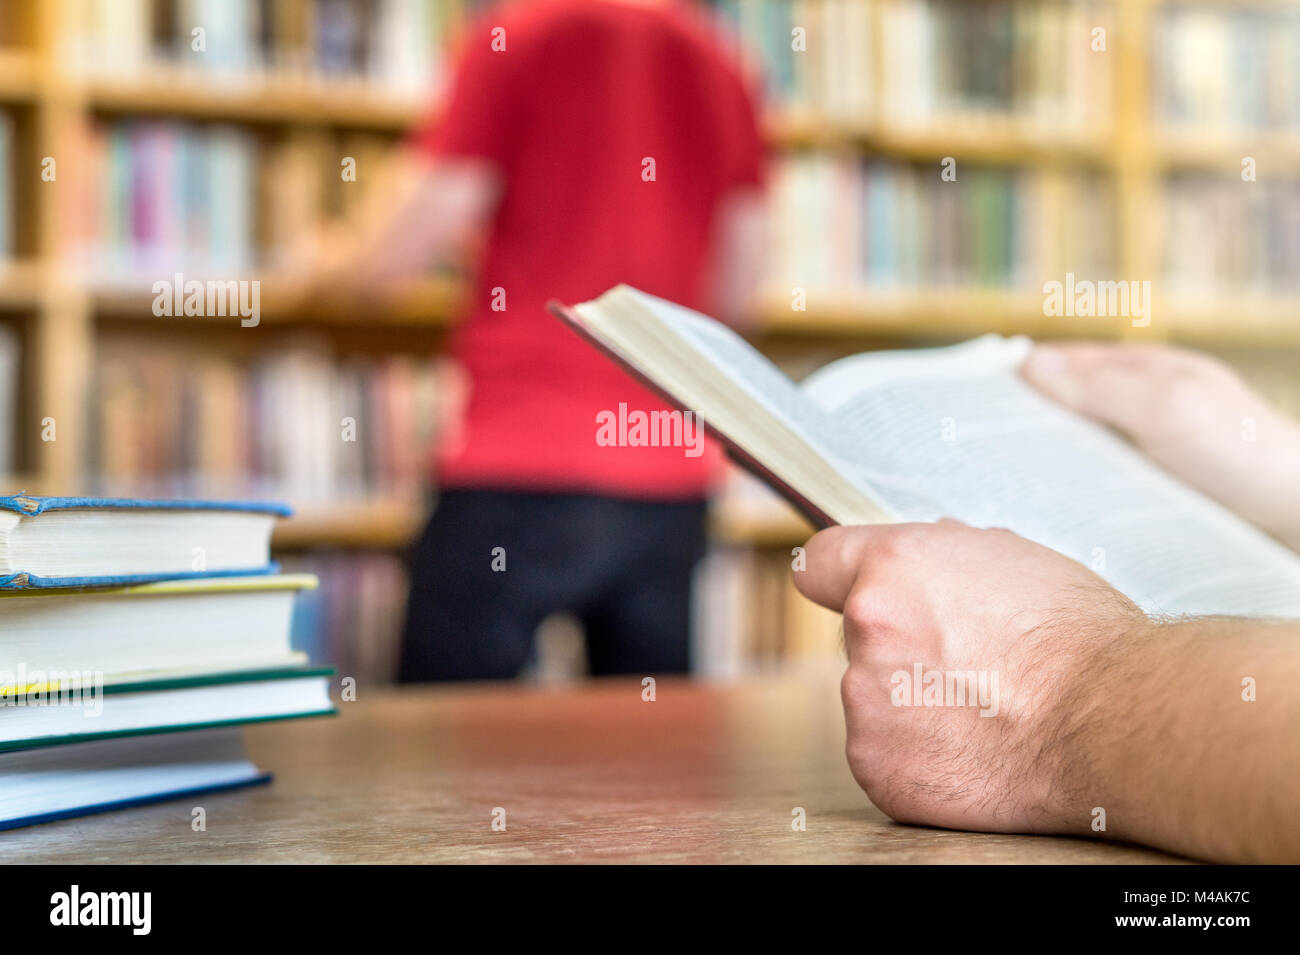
point(1135, 138)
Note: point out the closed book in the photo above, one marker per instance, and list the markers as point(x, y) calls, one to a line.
point(59, 542)
point(83, 711)
point(62, 782)
point(146, 632)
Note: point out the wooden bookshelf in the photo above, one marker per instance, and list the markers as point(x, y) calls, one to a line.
point(769, 526)
point(941, 314)
point(1211, 150)
point(22, 283)
point(979, 139)
point(425, 304)
point(263, 99)
point(68, 320)
point(935, 313)
point(19, 76)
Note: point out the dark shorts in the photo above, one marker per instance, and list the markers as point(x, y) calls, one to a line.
point(622, 567)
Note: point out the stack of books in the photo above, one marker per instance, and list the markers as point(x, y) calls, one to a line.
point(136, 637)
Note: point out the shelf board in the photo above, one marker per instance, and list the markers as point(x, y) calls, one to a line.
point(999, 139)
point(845, 313)
point(1241, 320)
point(384, 524)
point(354, 103)
point(264, 99)
point(956, 313)
point(19, 76)
point(393, 524)
point(734, 523)
point(942, 313)
point(1212, 150)
point(21, 283)
point(24, 484)
point(426, 303)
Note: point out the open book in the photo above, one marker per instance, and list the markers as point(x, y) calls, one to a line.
point(919, 435)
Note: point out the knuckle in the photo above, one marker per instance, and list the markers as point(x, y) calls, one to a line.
point(854, 688)
point(861, 614)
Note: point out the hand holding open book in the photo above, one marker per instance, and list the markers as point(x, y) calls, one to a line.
point(951, 432)
point(1102, 705)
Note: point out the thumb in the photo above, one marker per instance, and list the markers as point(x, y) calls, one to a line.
point(1104, 382)
point(834, 559)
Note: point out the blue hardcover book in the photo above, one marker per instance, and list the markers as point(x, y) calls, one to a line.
point(62, 542)
point(62, 782)
point(55, 763)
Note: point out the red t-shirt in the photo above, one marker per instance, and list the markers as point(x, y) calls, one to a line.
point(583, 93)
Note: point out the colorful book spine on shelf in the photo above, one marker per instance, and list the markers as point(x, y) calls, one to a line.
point(941, 60)
point(1226, 68)
point(353, 620)
point(297, 424)
point(844, 223)
point(396, 45)
point(1229, 237)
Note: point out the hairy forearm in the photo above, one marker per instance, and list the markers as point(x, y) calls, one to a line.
point(1190, 739)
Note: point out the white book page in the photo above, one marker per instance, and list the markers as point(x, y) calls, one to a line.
point(955, 432)
point(710, 369)
point(748, 369)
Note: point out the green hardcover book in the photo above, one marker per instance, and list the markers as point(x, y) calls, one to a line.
point(75, 749)
point(79, 711)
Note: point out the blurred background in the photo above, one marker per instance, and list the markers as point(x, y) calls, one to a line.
point(1108, 139)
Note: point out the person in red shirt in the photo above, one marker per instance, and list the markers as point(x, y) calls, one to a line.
point(594, 142)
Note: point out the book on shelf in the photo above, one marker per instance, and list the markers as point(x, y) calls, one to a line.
point(210, 200)
point(918, 435)
point(296, 423)
point(113, 695)
point(353, 620)
point(395, 45)
point(1227, 238)
point(815, 56)
point(940, 61)
point(1230, 68)
point(847, 223)
point(10, 374)
point(158, 197)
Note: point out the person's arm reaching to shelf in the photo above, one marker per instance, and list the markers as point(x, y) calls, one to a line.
point(741, 258)
point(425, 213)
point(1178, 735)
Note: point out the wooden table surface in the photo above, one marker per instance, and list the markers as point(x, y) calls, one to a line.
point(705, 773)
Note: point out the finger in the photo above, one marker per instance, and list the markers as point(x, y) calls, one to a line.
point(1106, 382)
point(834, 558)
